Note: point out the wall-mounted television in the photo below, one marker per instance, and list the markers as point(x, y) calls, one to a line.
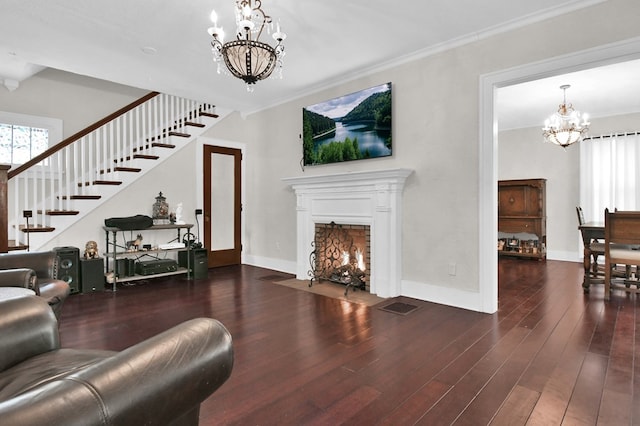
point(356, 126)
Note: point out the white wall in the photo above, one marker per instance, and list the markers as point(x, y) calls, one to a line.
point(436, 133)
point(78, 101)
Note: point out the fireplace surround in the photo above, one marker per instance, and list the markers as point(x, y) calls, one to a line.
point(371, 198)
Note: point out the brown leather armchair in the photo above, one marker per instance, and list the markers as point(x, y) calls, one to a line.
point(46, 284)
point(160, 381)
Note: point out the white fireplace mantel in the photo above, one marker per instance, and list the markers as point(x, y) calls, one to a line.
point(371, 198)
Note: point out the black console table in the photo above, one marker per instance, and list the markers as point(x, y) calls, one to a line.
point(111, 234)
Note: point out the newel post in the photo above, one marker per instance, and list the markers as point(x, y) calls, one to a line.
point(4, 211)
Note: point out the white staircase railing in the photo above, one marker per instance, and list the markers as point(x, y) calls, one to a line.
point(96, 158)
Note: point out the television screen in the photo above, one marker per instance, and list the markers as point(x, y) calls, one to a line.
point(352, 127)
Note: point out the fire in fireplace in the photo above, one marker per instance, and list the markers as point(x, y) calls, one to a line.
point(340, 255)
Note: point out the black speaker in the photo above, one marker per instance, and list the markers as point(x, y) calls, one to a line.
point(91, 275)
point(69, 266)
point(198, 262)
point(125, 267)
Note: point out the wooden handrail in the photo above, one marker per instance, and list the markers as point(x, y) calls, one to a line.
point(71, 139)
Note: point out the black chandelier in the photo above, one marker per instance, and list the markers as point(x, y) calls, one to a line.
point(246, 57)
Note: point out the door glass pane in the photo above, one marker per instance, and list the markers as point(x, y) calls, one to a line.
point(222, 202)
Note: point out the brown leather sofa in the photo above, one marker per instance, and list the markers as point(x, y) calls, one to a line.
point(46, 284)
point(160, 381)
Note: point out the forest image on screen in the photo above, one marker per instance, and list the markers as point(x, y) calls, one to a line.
point(352, 127)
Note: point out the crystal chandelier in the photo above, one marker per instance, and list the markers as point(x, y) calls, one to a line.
point(246, 57)
point(567, 126)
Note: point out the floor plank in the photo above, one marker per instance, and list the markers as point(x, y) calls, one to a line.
point(550, 355)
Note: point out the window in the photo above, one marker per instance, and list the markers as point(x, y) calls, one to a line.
point(23, 137)
point(609, 174)
point(18, 144)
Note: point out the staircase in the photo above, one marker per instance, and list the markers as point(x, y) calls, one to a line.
point(76, 176)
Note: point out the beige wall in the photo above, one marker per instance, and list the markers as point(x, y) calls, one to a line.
point(77, 100)
point(436, 133)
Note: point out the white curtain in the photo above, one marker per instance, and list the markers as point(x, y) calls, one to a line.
point(609, 175)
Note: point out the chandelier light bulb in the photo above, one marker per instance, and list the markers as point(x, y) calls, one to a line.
point(279, 35)
point(246, 11)
point(246, 25)
point(214, 18)
point(217, 33)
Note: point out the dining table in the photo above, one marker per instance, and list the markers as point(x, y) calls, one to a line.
point(592, 231)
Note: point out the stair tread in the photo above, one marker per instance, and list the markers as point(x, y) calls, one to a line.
point(127, 169)
point(120, 169)
point(180, 134)
point(39, 228)
point(80, 197)
point(194, 124)
point(60, 212)
point(146, 156)
point(209, 114)
point(107, 182)
point(163, 145)
point(13, 245)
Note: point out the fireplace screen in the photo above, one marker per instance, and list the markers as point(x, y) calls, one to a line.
point(340, 255)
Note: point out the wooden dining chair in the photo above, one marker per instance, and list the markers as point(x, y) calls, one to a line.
point(593, 248)
point(621, 246)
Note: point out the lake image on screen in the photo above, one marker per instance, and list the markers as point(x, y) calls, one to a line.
point(352, 127)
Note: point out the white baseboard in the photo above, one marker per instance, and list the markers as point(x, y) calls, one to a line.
point(464, 299)
point(469, 300)
point(566, 256)
point(280, 265)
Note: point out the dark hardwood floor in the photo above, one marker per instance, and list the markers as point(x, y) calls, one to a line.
point(551, 355)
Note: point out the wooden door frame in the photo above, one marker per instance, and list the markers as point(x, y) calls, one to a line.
point(202, 141)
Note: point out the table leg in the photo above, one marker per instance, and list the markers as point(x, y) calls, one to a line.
point(586, 281)
point(115, 260)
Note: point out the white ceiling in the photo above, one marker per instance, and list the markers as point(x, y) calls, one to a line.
point(329, 41)
point(599, 92)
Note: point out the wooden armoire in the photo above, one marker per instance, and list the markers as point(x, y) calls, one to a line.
point(522, 218)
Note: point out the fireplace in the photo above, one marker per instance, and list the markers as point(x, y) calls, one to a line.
point(372, 199)
point(341, 254)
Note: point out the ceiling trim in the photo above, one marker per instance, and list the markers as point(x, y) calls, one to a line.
point(433, 50)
